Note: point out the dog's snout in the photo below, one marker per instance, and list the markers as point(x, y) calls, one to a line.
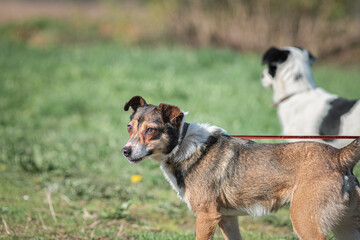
point(126, 151)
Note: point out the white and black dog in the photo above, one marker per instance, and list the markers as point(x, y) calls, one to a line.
point(303, 107)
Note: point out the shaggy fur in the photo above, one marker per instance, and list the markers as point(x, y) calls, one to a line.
point(221, 177)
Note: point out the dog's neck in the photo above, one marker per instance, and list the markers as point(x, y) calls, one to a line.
point(275, 104)
point(284, 99)
point(184, 131)
point(193, 137)
point(292, 78)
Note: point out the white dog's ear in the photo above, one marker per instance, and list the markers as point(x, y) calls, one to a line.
point(274, 56)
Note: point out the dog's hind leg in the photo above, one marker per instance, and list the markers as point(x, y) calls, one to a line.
point(229, 227)
point(347, 231)
point(349, 227)
point(304, 215)
point(206, 223)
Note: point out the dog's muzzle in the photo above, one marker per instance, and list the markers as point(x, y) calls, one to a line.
point(135, 154)
point(266, 79)
point(126, 151)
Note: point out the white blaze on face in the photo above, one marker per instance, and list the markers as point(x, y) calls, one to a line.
point(266, 80)
point(138, 151)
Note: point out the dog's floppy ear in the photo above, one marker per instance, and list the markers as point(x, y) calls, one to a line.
point(135, 102)
point(171, 114)
point(274, 56)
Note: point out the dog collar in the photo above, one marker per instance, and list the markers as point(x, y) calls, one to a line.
point(281, 100)
point(184, 130)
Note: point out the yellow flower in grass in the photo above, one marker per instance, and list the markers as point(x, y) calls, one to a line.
point(3, 167)
point(136, 178)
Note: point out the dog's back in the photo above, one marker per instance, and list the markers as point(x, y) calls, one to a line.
point(256, 178)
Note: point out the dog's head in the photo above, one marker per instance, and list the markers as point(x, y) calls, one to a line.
point(290, 64)
point(154, 130)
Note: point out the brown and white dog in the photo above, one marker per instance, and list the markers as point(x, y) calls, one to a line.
point(221, 177)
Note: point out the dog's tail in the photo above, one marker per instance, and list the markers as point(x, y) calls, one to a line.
point(350, 154)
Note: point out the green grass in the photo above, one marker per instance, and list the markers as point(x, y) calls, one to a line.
point(62, 128)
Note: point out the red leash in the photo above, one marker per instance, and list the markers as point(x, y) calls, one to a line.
point(294, 137)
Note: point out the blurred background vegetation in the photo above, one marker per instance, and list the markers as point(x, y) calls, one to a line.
point(67, 68)
point(329, 28)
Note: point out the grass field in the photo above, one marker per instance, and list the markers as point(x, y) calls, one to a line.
point(62, 127)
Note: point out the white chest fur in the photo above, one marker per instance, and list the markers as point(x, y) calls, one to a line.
point(173, 182)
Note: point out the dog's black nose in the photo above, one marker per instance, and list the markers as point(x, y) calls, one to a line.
point(126, 151)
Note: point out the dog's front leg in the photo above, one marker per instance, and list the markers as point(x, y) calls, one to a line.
point(229, 227)
point(206, 225)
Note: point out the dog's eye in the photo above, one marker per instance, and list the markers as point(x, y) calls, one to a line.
point(129, 128)
point(150, 130)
